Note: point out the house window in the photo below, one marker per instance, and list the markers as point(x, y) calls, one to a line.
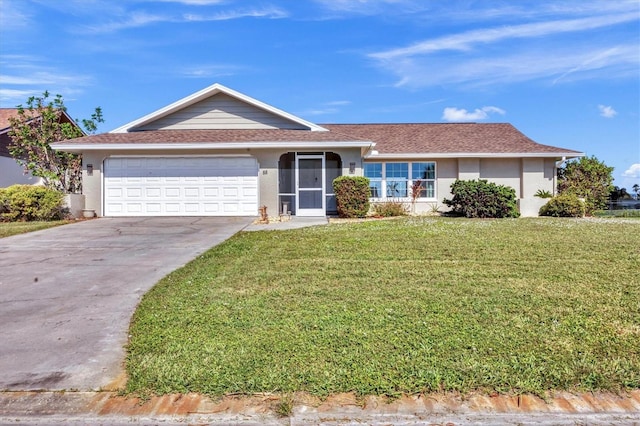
point(398, 178)
point(397, 175)
point(426, 173)
point(374, 172)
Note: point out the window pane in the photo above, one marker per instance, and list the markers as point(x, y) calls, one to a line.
point(375, 185)
point(310, 199)
point(396, 188)
point(373, 170)
point(397, 170)
point(423, 171)
point(428, 189)
point(310, 172)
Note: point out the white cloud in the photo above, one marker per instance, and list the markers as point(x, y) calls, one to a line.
point(270, 13)
point(465, 41)
point(478, 70)
point(458, 115)
point(10, 98)
point(607, 111)
point(633, 171)
point(26, 76)
point(524, 51)
point(209, 71)
point(427, 12)
point(13, 15)
point(142, 19)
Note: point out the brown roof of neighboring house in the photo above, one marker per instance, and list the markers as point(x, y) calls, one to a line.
point(5, 126)
point(446, 138)
point(5, 140)
point(390, 139)
point(5, 114)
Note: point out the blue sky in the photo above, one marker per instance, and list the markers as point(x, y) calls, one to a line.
point(566, 73)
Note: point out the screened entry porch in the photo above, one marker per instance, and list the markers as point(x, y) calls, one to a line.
point(305, 183)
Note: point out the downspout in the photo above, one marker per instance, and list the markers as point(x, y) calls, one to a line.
point(555, 175)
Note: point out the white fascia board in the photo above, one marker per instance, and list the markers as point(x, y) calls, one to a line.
point(208, 92)
point(61, 146)
point(72, 121)
point(417, 156)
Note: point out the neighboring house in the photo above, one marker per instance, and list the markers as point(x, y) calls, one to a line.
point(12, 173)
point(219, 152)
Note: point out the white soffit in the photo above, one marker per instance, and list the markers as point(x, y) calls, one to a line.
point(207, 93)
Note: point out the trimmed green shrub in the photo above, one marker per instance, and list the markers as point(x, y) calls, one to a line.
point(23, 203)
point(483, 199)
point(542, 193)
point(352, 195)
point(568, 205)
point(390, 209)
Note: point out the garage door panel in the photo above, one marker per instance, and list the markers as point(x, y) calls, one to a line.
point(154, 192)
point(154, 208)
point(172, 192)
point(181, 186)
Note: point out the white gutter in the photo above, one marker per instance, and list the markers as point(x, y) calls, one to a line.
point(71, 147)
point(416, 156)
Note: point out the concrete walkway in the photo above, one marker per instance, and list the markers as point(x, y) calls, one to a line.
point(67, 294)
point(294, 222)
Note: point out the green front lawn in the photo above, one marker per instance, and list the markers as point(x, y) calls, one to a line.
point(404, 306)
point(13, 228)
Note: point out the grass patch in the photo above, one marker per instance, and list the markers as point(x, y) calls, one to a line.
point(399, 307)
point(13, 228)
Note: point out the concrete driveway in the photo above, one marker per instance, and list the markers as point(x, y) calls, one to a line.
point(67, 294)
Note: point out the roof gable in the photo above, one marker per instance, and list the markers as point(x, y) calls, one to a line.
point(218, 108)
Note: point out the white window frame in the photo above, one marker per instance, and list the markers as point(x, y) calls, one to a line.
point(410, 180)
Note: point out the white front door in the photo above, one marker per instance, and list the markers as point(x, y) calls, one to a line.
point(310, 200)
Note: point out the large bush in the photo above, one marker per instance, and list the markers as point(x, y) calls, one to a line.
point(352, 195)
point(21, 203)
point(587, 178)
point(568, 205)
point(481, 198)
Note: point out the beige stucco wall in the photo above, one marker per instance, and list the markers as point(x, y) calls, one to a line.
point(526, 175)
point(468, 168)
point(502, 171)
point(267, 173)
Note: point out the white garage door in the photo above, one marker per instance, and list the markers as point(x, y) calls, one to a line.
point(181, 186)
